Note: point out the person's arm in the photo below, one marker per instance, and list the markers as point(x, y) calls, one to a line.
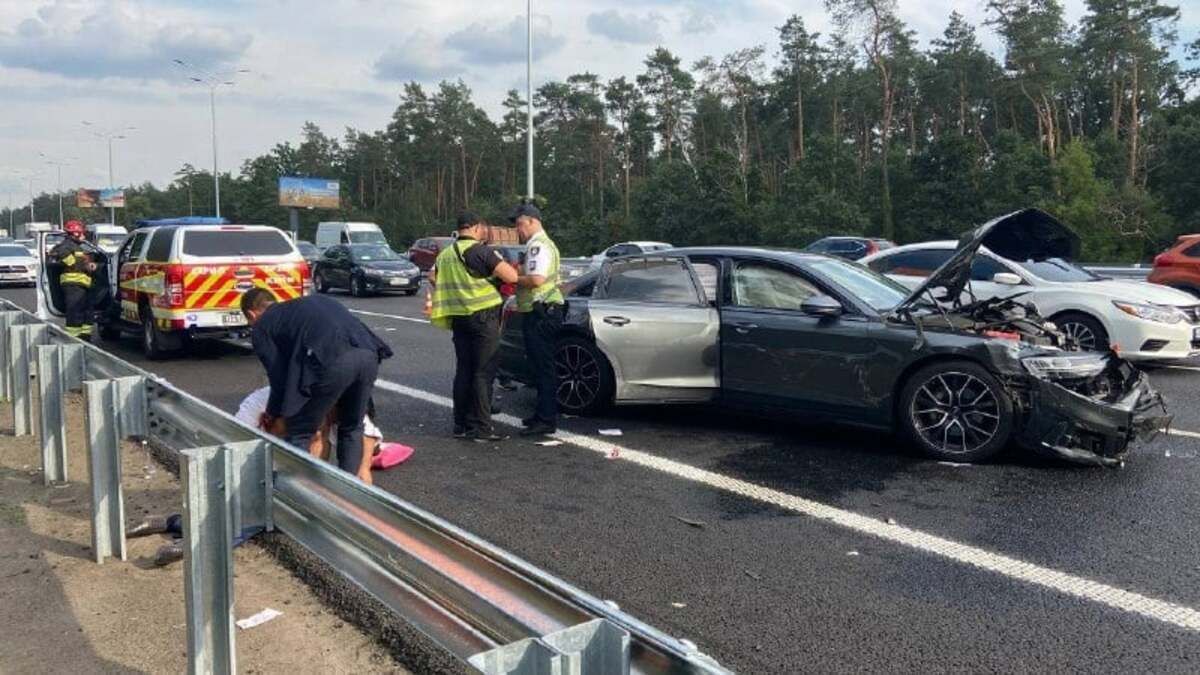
point(486, 261)
point(505, 273)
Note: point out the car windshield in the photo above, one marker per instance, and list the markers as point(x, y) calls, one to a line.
point(307, 249)
point(367, 237)
point(372, 252)
point(109, 240)
point(871, 287)
point(218, 243)
point(1057, 269)
point(14, 252)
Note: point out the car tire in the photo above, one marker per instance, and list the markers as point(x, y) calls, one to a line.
point(319, 283)
point(585, 378)
point(1086, 330)
point(156, 344)
point(956, 411)
point(410, 293)
point(109, 332)
point(356, 287)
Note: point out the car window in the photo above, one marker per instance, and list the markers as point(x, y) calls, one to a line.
point(367, 237)
point(847, 246)
point(767, 287)
point(707, 274)
point(134, 249)
point(1192, 251)
point(861, 282)
point(984, 268)
point(420, 243)
point(159, 249)
point(1057, 269)
point(919, 263)
point(371, 252)
point(665, 281)
point(14, 252)
point(238, 243)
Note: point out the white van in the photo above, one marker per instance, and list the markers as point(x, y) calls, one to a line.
point(107, 236)
point(334, 234)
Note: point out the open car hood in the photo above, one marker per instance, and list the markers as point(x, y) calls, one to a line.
point(1028, 234)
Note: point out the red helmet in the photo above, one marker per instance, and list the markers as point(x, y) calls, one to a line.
point(73, 227)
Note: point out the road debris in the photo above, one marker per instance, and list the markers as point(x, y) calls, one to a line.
point(693, 523)
point(610, 432)
point(614, 453)
point(956, 464)
point(852, 553)
point(752, 575)
point(891, 521)
point(679, 605)
point(259, 619)
point(549, 444)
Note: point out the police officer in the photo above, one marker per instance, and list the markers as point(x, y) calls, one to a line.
point(75, 280)
point(541, 303)
point(466, 302)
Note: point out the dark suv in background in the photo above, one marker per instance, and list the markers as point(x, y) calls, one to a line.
point(850, 248)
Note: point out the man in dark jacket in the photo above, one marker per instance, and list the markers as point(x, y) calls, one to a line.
point(318, 358)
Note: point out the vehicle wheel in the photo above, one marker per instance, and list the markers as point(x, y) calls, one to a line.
point(319, 283)
point(410, 293)
point(585, 378)
point(1088, 333)
point(357, 289)
point(956, 411)
point(156, 344)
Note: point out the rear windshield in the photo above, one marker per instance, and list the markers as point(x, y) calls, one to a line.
point(235, 243)
point(367, 237)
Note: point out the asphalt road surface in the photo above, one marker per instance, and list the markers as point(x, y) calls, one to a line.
point(781, 547)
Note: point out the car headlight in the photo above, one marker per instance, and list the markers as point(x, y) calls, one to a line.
point(1158, 313)
point(1066, 366)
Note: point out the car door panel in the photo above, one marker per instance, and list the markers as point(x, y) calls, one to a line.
point(659, 334)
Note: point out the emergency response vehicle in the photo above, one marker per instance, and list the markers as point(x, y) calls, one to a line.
point(178, 279)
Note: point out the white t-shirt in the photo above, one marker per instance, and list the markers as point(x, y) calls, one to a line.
point(253, 406)
point(538, 257)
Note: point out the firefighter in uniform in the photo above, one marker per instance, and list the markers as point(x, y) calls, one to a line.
point(75, 280)
point(541, 304)
point(466, 302)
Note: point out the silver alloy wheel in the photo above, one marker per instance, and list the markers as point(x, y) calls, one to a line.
point(319, 283)
point(955, 412)
point(1079, 331)
point(578, 376)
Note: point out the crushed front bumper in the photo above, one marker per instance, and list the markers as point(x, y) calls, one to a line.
point(1065, 424)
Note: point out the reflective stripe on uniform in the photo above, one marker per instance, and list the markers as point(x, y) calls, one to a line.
point(456, 292)
point(75, 278)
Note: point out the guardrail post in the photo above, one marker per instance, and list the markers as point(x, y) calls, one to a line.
point(208, 475)
point(597, 647)
point(53, 368)
point(21, 339)
point(530, 656)
point(7, 319)
point(116, 409)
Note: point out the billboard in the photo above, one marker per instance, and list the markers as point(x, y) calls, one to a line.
point(311, 193)
point(108, 199)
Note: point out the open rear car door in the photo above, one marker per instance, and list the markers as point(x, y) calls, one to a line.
point(50, 293)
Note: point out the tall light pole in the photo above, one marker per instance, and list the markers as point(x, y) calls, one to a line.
point(529, 99)
point(59, 164)
point(212, 81)
point(110, 135)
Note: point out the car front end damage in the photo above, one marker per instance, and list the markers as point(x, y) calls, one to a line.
point(1087, 407)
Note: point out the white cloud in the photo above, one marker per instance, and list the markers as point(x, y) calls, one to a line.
point(420, 57)
point(627, 28)
point(116, 39)
point(481, 44)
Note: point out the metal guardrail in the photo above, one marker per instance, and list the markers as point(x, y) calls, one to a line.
point(1137, 272)
point(484, 605)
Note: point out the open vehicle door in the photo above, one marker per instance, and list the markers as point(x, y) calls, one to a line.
point(50, 295)
point(653, 320)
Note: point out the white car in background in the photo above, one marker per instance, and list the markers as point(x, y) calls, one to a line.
point(17, 265)
point(628, 248)
point(1144, 321)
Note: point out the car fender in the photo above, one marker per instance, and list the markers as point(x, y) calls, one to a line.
point(1052, 302)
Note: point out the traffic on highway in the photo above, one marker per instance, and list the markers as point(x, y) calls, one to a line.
point(943, 398)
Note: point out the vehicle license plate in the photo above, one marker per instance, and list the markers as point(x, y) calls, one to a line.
point(232, 319)
point(396, 282)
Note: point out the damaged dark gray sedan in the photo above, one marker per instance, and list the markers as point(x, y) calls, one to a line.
point(805, 336)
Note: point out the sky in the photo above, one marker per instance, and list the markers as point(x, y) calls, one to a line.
point(338, 63)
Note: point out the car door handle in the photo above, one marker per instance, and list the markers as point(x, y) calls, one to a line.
point(616, 320)
point(744, 327)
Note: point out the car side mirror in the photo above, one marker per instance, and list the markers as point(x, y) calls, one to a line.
point(1007, 278)
point(822, 306)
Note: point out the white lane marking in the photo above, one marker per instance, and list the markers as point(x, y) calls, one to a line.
point(1193, 368)
point(388, 316)
point(1013, 568)
point(1181, 432)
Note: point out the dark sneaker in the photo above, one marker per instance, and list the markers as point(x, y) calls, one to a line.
point(168, 554)
point(539, 428)
point(149, 526)
point(460, 432)
point(486, 437)
point(529, 421)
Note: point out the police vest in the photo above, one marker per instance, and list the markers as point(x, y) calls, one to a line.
point(548, 292)
point(457, 292)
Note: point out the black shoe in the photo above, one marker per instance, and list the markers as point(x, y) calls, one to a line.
point(168, 554)
point(539, 428)
point(529, 421)
point(460, 432)
point(486, 437)
point(149, 526)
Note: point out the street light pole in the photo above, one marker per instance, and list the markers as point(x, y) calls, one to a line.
point(60, 208)
point(212, 81)
point(529, 99)
point(212, 100)
point(110, 136)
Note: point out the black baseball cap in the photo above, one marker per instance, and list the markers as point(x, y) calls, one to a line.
point(468, 219)
point(524, 210)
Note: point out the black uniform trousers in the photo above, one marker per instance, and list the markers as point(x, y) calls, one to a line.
point(476, 343)
point(541, 327)
point(346, 384)
point(78, 309)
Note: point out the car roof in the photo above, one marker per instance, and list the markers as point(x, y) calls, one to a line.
point(939, 245)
